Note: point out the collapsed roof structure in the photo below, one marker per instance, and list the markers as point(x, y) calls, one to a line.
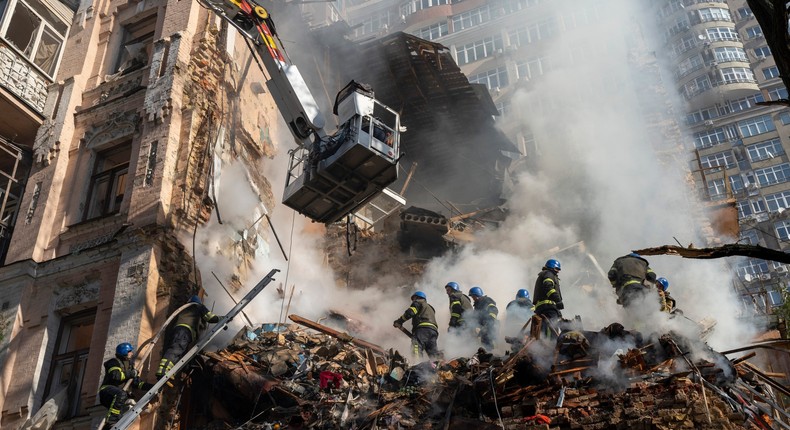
point(287, 376)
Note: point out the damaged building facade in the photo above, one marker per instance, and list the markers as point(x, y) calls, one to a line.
point(136, 102)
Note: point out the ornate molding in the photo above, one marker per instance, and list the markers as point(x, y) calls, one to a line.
point(118, 125)
point(45, 146)
point(67, 297)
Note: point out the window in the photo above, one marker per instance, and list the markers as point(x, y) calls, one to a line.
point(718, 159)
point(689, 65)
point(773, 175)
point(415, 5)
point(777, 93)
point(776, 297)
point(136, 45)
point(702, 115)
point(714, 14)
point(753, 32)
point(71, 354)
point(755, 126)
point(785, 118)
point(471, 18)
point(35, 32)
point(708, 138)
point(744, 209)
point(737, 74)
point(108, 183)
point(533, 67)
point(492, 79)
point(765, 150)
point(752, 267)
point(433, 32)
point(699, 85)
point(722, 33)
point(744, 13)
point(762, 52)
point(479, 50)
point(730, 53)
point(771, 72)
point(510, 6)
point(372, 24)
point(743, 103)
point(750, 237)
point(685, 44)
point(778, 201)
point(716, 189)
point(736, 183)
point(782, 229)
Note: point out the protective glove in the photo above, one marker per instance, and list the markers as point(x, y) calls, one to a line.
point(397, 323)
point(132, 373)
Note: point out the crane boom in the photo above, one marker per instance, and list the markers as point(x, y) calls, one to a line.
point(329, 175)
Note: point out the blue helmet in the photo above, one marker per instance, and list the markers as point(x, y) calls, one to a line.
point(476, 292)
point(553, 264)
point(522, 293)
point(419, 294)
point(123, 349)
point(664, 283)
point(453, 285)
point(195, 299)
point(634, 254)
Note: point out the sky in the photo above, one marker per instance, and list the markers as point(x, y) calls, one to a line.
point(595, 190)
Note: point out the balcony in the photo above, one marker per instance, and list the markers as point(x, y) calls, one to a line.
point(733, 88)
point(22, 79)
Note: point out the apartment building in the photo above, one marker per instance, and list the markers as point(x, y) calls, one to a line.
point(113, 113)
point(723, 68)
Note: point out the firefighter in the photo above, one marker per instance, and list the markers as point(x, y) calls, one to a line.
point(548, 298)
point(486, 314)
point(627, 275)
point(424, 330)
point(459, 305)
point(519, 311)
point(188, 326)
point(669, 303)
point(117, 371)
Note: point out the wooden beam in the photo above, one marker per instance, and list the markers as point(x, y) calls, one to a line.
point(336, 334)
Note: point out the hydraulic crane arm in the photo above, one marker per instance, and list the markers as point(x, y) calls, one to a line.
point(329, 175)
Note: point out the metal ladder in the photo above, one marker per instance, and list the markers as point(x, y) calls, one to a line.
point(131, 416)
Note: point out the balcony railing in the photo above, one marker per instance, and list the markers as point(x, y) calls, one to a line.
point(22, 79)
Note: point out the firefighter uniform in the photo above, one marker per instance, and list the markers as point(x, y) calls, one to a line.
point(117, 371)
point(188, 326)
point(670, 302)
point(548, 300)
point(459, 305)
point(486, 314)
point(424, 332)
point(627, 276)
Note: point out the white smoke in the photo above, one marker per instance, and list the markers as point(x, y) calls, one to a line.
point(596, 178)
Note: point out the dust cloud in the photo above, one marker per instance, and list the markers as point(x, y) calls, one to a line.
point(594, 188)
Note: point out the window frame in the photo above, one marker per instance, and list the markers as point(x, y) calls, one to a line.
point(113, 174)
point(6, 17)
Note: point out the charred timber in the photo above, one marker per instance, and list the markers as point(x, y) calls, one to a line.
point(729, 250)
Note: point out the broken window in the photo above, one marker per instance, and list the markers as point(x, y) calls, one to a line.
point(108, 183)
point(35, 32)
point(765, 150)
point(71, 353)
point(750, 237)
point(136, 45)
point(778, 201)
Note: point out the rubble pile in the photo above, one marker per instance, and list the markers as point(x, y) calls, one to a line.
point(294, 377)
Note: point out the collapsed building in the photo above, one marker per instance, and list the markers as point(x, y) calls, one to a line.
point(306, 375)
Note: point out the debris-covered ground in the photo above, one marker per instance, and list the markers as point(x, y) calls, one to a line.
point(306, 375)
